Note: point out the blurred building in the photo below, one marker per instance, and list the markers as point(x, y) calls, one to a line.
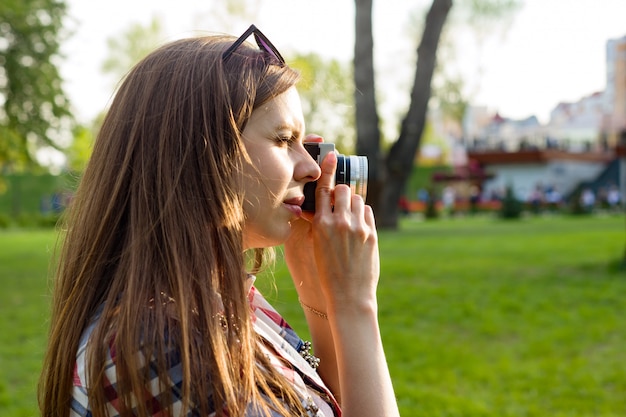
point(525, 170)
point(577, 126)
point(614, 122)
point(504, 134)
point(582, 144)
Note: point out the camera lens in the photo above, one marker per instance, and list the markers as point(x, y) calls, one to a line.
point(352, 170)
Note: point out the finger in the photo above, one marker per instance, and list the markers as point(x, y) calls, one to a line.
point(369, 216)
point(358, 206)
point(323, 191)
point(342, 197)
point(313, 138)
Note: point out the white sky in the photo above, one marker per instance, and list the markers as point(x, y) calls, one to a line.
point(552, 51)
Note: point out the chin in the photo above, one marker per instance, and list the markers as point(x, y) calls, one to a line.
point(279, 240)
point(275, 237)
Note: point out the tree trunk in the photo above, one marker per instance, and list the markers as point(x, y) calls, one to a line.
point(388, 176)
point(366, 117)
point(401, 156)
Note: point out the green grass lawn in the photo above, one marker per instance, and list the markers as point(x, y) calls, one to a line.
point(480, 317)
point(24, 306)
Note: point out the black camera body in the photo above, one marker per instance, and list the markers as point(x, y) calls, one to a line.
point(352, 170)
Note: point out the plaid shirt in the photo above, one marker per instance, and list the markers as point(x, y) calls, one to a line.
point(316, 398)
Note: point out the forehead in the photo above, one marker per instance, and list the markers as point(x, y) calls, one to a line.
point(283, 110)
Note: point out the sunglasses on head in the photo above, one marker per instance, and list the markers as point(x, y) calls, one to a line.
point(264, 44)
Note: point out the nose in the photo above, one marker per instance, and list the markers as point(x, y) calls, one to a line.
point(306, 168)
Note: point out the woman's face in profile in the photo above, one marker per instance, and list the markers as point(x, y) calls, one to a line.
point(279, 168)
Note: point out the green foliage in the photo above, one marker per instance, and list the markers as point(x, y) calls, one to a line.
point(11, 149)
point(31, 197)
point(450, 92)
point(450, 97)
point(33, 107)
point(511, 207)
point(124, 51)
point(575, 205)
point(30, 221)
point(431, 205)
point(326, 91)
point(433, 138)
point(79, 151)
point(130, 47)
point(481, 12)
point(421, 178)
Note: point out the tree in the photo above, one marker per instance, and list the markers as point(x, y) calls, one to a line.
point(388, 174)
point(325, 89)
point(79, 152)
point(131, 46)
point(511, 207)
point(34, 110)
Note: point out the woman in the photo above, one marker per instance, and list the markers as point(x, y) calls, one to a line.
point(199, 162)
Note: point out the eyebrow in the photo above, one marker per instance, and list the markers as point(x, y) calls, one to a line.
point(296, 130)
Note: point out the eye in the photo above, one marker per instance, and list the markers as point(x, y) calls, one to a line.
point(285, 140)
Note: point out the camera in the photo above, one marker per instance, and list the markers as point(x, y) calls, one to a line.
point(351, 170)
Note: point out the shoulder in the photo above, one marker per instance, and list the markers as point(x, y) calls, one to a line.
point(265, 313)
point(161, 393)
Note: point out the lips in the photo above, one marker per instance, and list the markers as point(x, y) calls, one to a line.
point(295, 201)
point(293, 205)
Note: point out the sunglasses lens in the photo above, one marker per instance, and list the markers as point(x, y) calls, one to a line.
point(269, 49)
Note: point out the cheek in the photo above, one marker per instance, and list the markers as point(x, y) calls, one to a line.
point(275, 170)
point(267, 178)
point(250, 212)
point(263, 190)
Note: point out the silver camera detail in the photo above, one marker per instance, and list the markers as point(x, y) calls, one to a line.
point(352, 170)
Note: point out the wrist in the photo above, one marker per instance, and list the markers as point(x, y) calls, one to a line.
point(351, 310)
point(309, 291)
point(315, 311)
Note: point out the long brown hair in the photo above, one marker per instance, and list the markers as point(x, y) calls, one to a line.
point(154, 235)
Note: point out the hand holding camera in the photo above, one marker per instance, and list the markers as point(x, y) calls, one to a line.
point(351, 170)
point(344, 179)
point(345, 243)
